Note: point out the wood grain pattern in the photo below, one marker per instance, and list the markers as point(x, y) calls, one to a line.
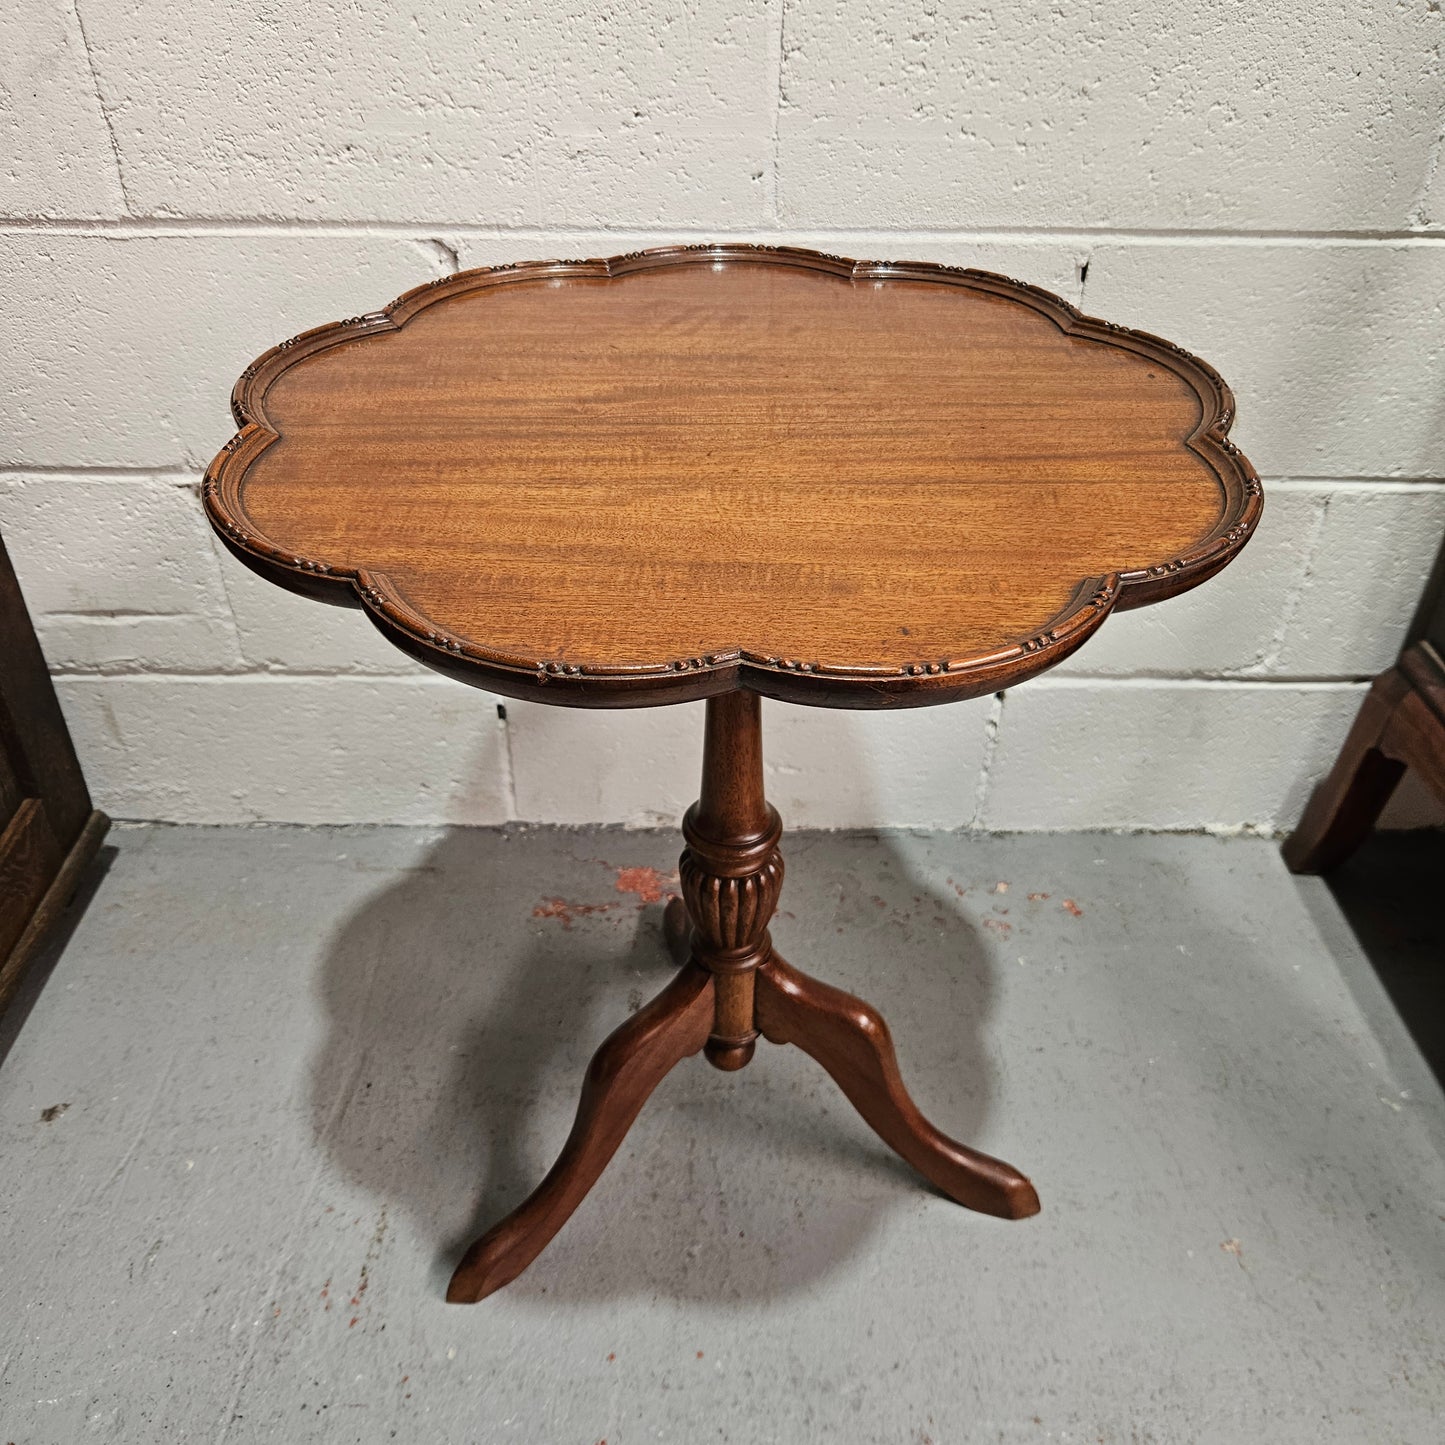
point(719, 472)
point(631, 1063)
point(731, 871)
point(30, 857)
point(672, 474)
point(731, 987)
point(851, 1041)
point(40, 757)
point(48, 829)
point(52, 905)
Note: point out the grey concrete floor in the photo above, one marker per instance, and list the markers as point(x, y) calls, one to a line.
point(277, 1076)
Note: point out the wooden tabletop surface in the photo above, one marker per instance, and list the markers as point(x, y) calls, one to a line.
point(663, 476)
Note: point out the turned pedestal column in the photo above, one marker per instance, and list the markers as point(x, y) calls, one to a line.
point(731, 988)
point(715, 472)
point(732, 872)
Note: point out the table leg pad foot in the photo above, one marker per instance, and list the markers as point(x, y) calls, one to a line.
point(631, 1063)
point(851, 1041)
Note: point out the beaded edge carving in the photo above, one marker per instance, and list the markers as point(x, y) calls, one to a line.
point(1093, 599)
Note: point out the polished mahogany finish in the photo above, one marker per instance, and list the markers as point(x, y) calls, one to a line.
point(731, 870)
point(667, 475)
point(631, 1063)
point(718, 472)
point(732, 988)
point(851, 1041)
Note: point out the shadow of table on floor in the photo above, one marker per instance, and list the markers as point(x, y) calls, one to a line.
point(465, 997)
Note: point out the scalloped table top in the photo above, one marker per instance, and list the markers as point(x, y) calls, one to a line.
point(667, 475)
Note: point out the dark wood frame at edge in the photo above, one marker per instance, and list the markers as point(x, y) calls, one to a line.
point(52, 905)
point(672, 680)
point(1400, 726)
point(56, 830)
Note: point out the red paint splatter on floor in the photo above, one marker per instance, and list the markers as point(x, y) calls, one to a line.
point(1071, 907)
point(1038, 897)
point(999, 926)
point(567, 913)
point(610, 1358)
point(649, 884)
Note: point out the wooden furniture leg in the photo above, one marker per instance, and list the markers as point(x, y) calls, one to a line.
point(731, 988)
point(851, 1041)
point(1343, 808)
point(623, 1073)
point(731, 875)
point(1401, 724)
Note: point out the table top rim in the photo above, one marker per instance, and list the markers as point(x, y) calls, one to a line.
point(681, 679)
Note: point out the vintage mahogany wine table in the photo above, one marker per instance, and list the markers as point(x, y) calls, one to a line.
point(728, 472)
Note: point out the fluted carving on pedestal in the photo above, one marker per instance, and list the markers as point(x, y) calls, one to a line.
point(731, 887)
point(731, 913)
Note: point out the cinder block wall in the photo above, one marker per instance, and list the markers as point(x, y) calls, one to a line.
point(185, 183)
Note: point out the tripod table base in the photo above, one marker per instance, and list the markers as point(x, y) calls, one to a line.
point(731, 989)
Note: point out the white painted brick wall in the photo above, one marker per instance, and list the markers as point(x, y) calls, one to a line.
point(182, 184)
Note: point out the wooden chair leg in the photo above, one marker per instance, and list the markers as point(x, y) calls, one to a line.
point(623, 1073)
point(850, 1040)
point(1345, 806)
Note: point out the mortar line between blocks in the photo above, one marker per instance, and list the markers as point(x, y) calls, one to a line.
point(1417, 217)
point(254, 674)
point(990, 746)
point(1296, 593)
point(1218, 684)
point(424, 678)
point(504, 719)
point(171, 475)
point(775, 88)
point(1394, 486)
point(425, 229)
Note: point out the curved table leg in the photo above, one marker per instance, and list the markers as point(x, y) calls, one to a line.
point(850, 1040)
point(631, 1063)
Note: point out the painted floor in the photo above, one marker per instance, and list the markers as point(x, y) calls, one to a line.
point(277, 1076)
